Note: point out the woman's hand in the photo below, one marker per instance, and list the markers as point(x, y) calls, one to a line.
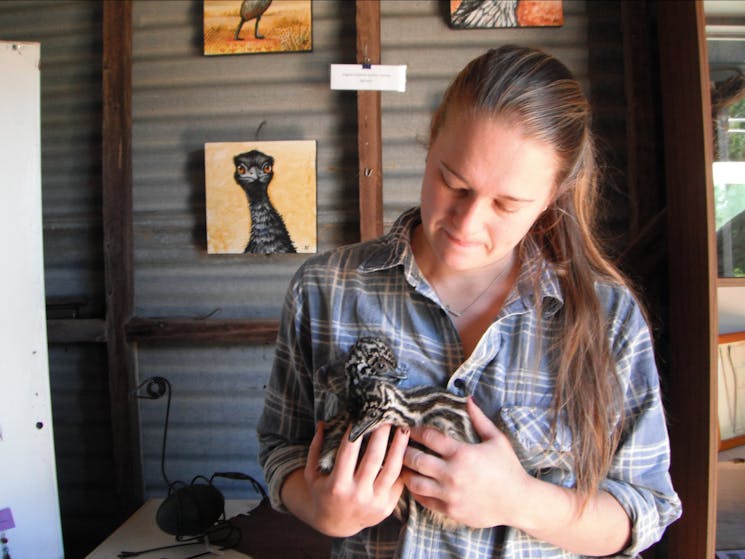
point(352, 496)
point(478, 485)
point(482, 485)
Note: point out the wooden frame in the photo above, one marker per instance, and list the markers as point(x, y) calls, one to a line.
point(116, 177)
point(727, 375)
point(692, 326)
point(369, 126)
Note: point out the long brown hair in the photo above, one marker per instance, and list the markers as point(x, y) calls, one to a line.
point(533, 90)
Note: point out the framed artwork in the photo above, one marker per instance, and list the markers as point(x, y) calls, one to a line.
point(257, 26)
point(261, 197)
point(731, 389)
point(485, 14)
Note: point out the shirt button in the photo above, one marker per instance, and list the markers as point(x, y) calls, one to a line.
point(460, 384)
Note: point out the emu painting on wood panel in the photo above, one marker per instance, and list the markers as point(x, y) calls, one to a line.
point(261, 197)
point(480, 14)
point(256, 26)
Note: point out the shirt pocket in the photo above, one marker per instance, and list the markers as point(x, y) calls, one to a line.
point(541, 454)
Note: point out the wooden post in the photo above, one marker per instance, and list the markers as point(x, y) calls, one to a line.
point(369, 125)
point(692, 413)
point(116, 154)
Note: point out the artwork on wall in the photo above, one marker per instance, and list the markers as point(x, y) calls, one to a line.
point(257, 26)
point(731, 389)
point(261, 197)
point(480, 14)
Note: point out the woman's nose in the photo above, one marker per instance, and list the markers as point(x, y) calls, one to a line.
point(469, 214)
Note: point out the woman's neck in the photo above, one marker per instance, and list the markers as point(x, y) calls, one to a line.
point(472, 298)
point(464, 285)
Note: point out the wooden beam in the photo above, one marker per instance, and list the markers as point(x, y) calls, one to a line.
point(688, 148)
point(76, 330)
point(369, 124)
point(150, 330)
point(116, 154)
point(646, 189)
point(165, 330)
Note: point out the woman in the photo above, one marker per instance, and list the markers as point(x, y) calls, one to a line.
point(494, 288)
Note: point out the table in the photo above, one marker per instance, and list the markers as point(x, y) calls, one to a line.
point(140, 532)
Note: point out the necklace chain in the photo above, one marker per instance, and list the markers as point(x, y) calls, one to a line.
point(458, 314)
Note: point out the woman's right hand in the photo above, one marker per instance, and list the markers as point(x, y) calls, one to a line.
point(352, 497)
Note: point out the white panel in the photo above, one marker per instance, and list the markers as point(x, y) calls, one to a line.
point(28, 479)
point(731, 303)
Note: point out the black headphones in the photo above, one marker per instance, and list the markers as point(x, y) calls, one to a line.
point(192, 509)
point(189, 509)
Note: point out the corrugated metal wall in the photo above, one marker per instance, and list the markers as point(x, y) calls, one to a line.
point(70, 37)
point(182, 100)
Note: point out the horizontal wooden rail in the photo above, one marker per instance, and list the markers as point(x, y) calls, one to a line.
point(76, 330)
point(170, 330)
point(165, 330)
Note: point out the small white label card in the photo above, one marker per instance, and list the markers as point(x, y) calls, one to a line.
point(373, 77)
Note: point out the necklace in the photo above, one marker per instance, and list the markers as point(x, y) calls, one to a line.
point(457, 314)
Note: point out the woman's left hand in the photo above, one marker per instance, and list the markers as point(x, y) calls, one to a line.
point(479, 485)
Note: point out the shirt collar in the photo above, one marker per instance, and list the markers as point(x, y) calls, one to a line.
point(394, 248)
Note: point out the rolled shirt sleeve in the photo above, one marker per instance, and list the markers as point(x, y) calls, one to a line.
point(287, 423)
point(639, 477)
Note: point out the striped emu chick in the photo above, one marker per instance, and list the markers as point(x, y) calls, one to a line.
point(369, 359)
point(423, 406)
point(415, 407)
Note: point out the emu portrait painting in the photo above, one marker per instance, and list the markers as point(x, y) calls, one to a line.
point(261, 197)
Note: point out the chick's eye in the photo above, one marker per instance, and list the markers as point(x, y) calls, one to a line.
point(241, 169)
point(267, 168)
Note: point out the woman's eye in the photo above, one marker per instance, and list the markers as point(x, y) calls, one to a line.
point(455, 189)
point(504, 208)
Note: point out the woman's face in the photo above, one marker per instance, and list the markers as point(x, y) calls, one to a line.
point(484, 186)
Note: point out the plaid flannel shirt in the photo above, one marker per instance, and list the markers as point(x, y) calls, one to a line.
point(375, 288)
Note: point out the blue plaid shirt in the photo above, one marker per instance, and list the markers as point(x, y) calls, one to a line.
point(375, 288)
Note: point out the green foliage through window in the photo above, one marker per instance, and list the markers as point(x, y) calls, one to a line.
point(729, 193)
point(736, 132)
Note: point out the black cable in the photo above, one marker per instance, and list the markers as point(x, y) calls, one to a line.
point(143, 551)
point(155, 388)
point(165, 432)
point(242, 477)
point(230, 540)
